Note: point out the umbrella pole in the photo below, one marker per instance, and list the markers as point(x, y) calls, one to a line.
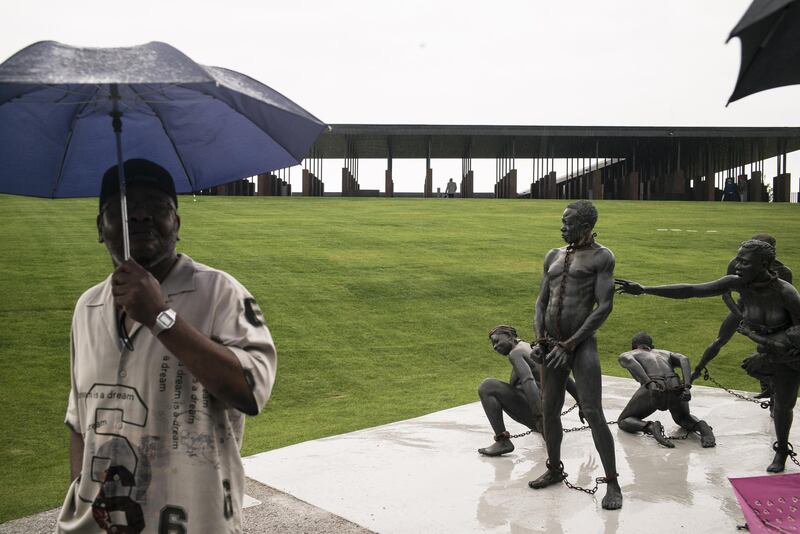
point(116, 122)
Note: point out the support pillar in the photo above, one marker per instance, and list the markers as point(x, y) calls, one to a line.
point(754, 189)
point(781, 187)
point(551, 187)
point(597, 185)
point(306, 183)
point(677, 189)
point(710, 190)
point(389, 184)
point(632, 186)
point(428, 190)
point(347, 182)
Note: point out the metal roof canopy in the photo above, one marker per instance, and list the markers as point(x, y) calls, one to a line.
point(742, 144)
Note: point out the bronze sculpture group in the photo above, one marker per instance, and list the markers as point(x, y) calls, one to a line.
point(576, 297)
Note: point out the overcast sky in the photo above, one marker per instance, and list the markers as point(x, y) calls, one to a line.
point(625, 62)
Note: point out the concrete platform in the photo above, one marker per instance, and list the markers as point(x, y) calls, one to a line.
point(424, 474)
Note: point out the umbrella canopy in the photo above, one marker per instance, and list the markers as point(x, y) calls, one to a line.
point(769, 503)
point(770, 35)
point(205, 125)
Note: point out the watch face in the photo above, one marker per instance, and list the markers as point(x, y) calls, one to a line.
point(166, 318)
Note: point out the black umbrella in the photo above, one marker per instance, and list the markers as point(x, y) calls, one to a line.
point(770, 35)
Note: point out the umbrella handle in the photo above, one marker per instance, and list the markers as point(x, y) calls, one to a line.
point(116, 123)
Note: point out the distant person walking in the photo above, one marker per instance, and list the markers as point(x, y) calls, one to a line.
point(731, 192)
point(451, 189)
point(743, 188)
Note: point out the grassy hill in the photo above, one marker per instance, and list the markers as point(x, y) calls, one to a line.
point(379, 308)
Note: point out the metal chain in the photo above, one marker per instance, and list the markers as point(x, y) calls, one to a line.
point(677, 438)
point(764, 404)
point(597, 482)
point(585, 427)
point(789, 451)
point(563, 475)
point(688, 433)
point(561, 291)
point(565, 412)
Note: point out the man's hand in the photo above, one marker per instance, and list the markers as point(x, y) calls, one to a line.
point(743, 329)
point(695, 374)
point(536, 353)
point(686, 395)
point(629, 287)
point(761, 345)
point(559, 358)
point(137, 292)
point(653, 386)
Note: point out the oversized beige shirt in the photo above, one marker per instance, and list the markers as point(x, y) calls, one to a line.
point(161, 454)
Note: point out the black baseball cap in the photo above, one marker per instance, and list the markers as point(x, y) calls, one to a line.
point(138, 172)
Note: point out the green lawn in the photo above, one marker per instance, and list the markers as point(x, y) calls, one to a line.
point(379, 307)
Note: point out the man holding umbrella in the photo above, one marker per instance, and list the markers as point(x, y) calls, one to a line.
point(168, 355)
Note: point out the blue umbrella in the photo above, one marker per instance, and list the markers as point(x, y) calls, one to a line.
point(67, 114)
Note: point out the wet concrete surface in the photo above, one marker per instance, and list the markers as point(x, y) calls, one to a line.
point(265, 510)
point(424, 474)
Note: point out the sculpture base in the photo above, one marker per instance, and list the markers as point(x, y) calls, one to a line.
point(425, 474)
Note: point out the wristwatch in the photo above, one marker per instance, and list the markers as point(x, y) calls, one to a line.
point(164, 321)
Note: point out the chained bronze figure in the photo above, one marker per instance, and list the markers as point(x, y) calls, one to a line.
point(728, 327)
point(767, 306)
point(575, 298)
point(661, 389)
point(520, 397)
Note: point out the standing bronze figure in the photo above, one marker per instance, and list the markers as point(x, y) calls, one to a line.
point(728, 327)
point(575, 298)
point(767, 306)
